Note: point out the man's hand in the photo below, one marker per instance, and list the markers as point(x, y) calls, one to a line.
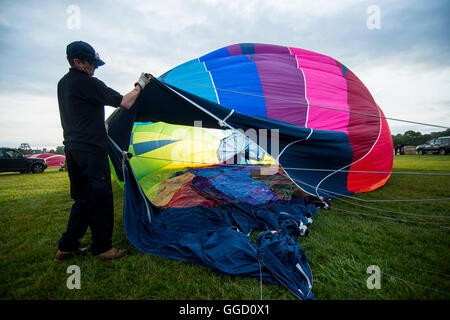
point(130, 98)
point(144, 79)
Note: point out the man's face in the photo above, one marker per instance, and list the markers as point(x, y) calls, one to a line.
point(85, 66)
point(89, 68)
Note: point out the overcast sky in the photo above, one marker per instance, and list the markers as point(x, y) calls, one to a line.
point(399, 49)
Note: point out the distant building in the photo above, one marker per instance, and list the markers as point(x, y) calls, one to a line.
point(25, 146)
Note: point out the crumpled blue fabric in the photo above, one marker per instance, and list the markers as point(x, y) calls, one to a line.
point(218, 237)
point(282, 256)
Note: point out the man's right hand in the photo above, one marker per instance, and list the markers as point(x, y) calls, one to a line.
point(144, 79)
point(130, 98)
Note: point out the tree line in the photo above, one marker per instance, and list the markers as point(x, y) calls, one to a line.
point(26, 149)
point(409, 138)
point(413, 138)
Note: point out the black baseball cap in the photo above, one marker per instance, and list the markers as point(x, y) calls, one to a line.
point(83, 51)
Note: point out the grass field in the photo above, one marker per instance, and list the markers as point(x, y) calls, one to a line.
point(411, 249)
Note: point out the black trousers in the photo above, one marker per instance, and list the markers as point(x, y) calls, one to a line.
point(90, 188)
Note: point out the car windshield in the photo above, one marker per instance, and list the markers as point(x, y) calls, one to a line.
point(13, 154)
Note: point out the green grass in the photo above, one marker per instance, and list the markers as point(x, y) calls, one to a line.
point(412, 251)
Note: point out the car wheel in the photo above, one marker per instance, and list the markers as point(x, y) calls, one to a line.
point(420, 152)
point(442, 151)
point(37, 168)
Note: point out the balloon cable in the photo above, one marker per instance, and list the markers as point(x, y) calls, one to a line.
point(364, 267)
point(308, 104)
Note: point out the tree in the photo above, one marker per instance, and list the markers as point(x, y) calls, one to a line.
point(25, 148)
point(59, 150)
point(413, 138)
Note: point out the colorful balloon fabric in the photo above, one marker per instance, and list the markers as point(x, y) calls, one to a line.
point(161, 150)
point(52, 160)
point(305, 89)
point(245, 138)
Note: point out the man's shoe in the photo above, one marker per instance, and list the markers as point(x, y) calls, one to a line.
point(65, 255)
point(113, 254)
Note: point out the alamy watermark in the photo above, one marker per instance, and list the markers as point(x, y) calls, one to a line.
point(74, 19)
point(74, 280)
point(374, 281)
point(239, 147)
point(373, 21)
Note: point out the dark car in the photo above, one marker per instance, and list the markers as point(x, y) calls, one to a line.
point(12, 160)
point(439, 145)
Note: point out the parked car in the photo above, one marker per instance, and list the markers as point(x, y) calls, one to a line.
point(11, 160)
point(439, 145)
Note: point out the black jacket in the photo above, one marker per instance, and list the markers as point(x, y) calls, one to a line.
point(81, 101)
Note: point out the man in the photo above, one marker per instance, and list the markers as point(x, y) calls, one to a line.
point(81, 99)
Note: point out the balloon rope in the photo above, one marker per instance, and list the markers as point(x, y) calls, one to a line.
point(395, 212)
point(310, 105)
point(301, 169)
point(298, 180)
point(364, 200)
point(389, 218)
point(364, 267)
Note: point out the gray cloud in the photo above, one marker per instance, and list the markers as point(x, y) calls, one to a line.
point(154, 36)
